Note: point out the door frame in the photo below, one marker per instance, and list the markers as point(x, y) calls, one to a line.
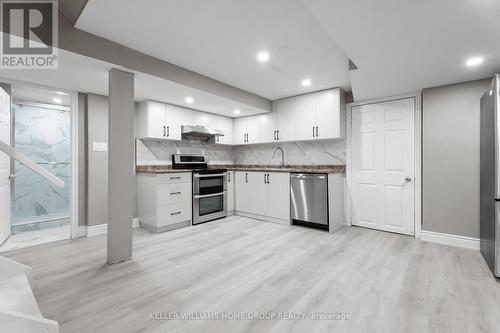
point(74, 112)
point(417, 96)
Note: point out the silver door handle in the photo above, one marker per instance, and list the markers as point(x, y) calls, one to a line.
point(210, 175)
point(197, 196)
point(408, 179)
point(12, 176)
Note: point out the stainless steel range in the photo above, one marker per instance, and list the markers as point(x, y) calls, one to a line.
point(209, 187)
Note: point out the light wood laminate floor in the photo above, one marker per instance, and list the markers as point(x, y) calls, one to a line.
point(384, 282)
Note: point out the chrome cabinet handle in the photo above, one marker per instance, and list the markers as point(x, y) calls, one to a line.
point(177, 177)
point(176, 213)
point(408, 179)
point(313, 131)
point(317, 133)
point(265, 181)
point(275, 135)
point(246, 177)
point(278, 134)
point(164, 131)
point(197, 196)
point(175, 193)
point(12, 176)
point(268, 179)
point(168, 131)
point(228, 177)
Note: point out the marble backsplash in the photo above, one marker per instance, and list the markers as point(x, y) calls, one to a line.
point(158, 152)
point(329, 152)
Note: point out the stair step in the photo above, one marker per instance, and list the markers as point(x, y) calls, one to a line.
point(16, 295)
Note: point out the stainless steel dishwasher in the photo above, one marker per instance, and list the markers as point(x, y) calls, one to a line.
point(309, 199)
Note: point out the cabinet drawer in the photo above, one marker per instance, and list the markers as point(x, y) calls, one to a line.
point(174, 213)
point(170, 178)
point(171, 193)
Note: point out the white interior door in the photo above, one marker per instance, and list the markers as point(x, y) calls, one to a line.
point(4, 167)
point(382, 181)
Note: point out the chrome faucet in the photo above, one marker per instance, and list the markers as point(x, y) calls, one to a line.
point(282, 164)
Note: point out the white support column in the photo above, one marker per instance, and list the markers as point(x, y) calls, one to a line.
point(120, 165)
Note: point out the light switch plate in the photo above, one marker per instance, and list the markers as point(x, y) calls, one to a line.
point(99, 146)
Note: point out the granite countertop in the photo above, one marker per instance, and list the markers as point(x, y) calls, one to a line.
point(247, 167)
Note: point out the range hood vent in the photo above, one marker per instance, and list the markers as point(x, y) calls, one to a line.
point(200, 133)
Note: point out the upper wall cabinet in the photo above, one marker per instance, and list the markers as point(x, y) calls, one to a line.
point(320, 115)
point(315, 116)
point(164, 121)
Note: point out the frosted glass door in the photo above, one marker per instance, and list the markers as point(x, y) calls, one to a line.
point(44, 136)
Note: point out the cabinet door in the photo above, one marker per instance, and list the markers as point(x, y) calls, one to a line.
point(225, 125)
point(285, 112)
point(328, 114)
point(240, 130)
point(156, 120)
point(257, 192)
point(176, 117)
point(242, 196)
point(268, 127)
point(230, 191)
point(305, 117)
point(278, 194)
point(253, 129)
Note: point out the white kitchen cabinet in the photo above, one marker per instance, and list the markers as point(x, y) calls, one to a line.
point(253, 129)
point(305, 117)
point(226, 126)
point(230, 192)
point(268, 127)
point(152, 120)
point(242, 192)
point(164, 201)
point(320, 115)
point(278, 193)
point(240, 131)
point(247, 130)
point(330, 114)
point(285, 114)
point(264, 195)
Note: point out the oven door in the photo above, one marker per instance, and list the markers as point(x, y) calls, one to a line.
point(209, 197)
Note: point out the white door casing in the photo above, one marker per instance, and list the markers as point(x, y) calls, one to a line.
point(4, 167)
point(383, 165)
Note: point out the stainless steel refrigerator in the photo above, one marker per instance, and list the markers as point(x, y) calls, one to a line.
point(490, 176)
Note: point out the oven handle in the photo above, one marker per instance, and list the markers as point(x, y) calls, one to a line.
point(209, 175)
point(197, 196)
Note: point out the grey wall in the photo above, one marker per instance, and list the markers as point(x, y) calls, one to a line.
point(97, 163)
point(451, 158)
point(82, 159)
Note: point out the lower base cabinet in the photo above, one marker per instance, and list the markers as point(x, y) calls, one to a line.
point(263, 194)
point(164, 201)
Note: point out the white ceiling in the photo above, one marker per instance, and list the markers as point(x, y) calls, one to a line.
point(83, 74)
point(40, 95)
point(402, 46)
point(220, 39)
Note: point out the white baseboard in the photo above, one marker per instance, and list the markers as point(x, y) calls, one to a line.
point(452, 240)
point(99, 229)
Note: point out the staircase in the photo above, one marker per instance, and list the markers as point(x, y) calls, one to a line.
point(19, 311)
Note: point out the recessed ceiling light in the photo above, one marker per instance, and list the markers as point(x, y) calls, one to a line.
point(263, 56)
point(57, 100)
point(306, 82)
point(189, 100)
point(237, 111)
point(474, 61)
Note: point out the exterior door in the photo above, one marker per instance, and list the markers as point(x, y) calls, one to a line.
point(4, 167)
point(383, 156)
